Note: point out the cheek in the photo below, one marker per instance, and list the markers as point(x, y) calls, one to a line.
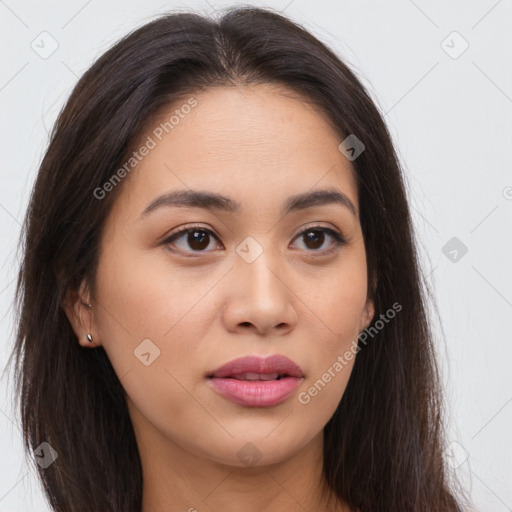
point(338, 311)
point(338, 300)
point(152, 323)
point(331, 357)
point(321, 394)
point(150, 299)
point(146, 296)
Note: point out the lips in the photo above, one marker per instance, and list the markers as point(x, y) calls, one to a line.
point(256, 382)
point(248, 368)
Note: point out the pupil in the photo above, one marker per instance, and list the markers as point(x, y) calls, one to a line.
point(197, 239)
point(311, 236)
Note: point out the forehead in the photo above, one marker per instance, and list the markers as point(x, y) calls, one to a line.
point(256, 141)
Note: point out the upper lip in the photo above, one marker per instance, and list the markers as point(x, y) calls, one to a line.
point(256, 364)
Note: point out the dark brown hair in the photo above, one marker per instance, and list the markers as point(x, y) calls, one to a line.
point(384, 444)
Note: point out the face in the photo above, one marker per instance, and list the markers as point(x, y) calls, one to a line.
point(262, 272)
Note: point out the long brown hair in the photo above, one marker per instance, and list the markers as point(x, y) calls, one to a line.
point(384, 444)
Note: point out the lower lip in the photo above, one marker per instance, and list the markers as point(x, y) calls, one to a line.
point(256, 393)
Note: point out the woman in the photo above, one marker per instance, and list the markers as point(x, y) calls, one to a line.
point(220, 303)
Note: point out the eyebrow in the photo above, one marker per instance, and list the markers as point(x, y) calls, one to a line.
point(212, 200)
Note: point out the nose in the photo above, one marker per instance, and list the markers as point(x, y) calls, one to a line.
point(259, 299)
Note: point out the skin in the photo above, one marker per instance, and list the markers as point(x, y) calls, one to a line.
point(257, 145)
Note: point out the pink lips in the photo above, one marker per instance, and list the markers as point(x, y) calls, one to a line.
point(256, 382)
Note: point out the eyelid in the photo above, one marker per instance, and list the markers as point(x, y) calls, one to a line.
point(189, 227)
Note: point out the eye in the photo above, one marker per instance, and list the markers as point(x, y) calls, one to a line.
point(314, 239)
point(198, 239)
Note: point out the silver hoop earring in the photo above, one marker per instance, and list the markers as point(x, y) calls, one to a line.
point(89, 337)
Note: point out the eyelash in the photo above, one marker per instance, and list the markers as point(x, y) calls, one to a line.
point(338, 239)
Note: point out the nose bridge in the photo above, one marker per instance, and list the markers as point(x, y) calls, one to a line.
point(257, 267)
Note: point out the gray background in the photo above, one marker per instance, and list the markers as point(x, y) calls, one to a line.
point(449, 113)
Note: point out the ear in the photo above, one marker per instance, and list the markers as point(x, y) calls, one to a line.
point(80, 315)
point(368, 314)
point(369, 307)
